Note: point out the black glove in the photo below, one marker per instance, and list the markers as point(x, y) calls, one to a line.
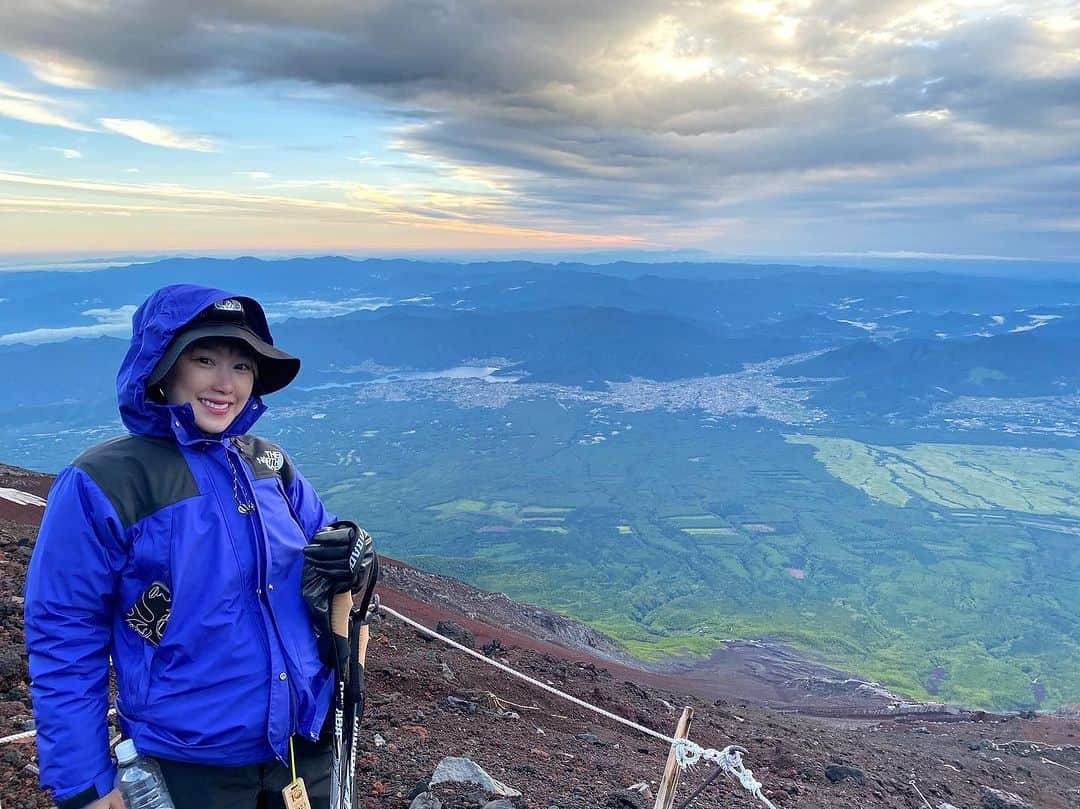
point(329, 569)
point(342, 554)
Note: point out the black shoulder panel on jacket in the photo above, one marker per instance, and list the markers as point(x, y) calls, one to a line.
point(139, 475)
point(265, 458)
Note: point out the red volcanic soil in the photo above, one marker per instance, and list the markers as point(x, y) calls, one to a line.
point(427, 701)
point(11, 477)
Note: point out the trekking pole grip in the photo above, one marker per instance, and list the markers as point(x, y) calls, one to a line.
point(340, 608)
point(362, 655)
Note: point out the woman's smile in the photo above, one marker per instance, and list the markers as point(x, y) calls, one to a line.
point(215, 406)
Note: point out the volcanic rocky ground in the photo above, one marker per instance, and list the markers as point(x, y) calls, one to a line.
point(427, 701)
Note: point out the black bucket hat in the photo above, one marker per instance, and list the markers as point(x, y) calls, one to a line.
point(228, 318)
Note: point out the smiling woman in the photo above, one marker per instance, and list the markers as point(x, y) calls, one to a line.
point(216, 524)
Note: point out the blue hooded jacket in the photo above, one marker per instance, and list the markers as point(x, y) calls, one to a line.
point(236, 669)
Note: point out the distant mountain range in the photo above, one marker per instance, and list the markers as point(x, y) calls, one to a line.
point(721, 296)
point(900, 340)
point(568, 345)
point(911, 374)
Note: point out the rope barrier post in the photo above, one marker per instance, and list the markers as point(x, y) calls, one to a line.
point(665, 796)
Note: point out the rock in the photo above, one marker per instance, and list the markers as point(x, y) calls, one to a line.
point(463, 705)
point(379, 740)
point(458, 770)
point(447, 673)
point(421, 786)
point(838, 772)
point(12, 663)
point(425, 800)
point(501, 803)
point(492, 649)
point(999, 799)
point(591, 738)
point(944, 805)
point(642, 789)
point(623, 799)
point(456, 632)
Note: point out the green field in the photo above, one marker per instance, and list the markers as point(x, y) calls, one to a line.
point(957, 476)
point(893, 561)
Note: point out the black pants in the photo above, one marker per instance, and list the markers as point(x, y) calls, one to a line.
point(251, 786)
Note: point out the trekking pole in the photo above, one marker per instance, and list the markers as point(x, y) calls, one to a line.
point(340, 781)
point(351, 633)
point(361, 616)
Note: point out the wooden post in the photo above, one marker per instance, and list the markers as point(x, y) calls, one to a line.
point(665, 797)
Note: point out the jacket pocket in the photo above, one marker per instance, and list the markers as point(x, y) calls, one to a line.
point(134, 668)
point(150, 613)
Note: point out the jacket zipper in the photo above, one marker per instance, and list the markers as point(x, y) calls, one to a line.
point(262, 542)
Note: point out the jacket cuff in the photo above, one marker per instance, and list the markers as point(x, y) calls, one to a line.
point(101, 786)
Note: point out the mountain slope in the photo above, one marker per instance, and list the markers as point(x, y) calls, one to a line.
point(427, 701)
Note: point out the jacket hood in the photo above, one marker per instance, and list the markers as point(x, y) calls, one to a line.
point(153, 327)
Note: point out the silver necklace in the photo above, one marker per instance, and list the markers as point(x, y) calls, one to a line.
point(244, 506)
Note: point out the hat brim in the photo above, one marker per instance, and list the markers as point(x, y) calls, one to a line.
point(276, 368)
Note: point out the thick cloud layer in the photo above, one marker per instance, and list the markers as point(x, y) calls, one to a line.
point(674, 114)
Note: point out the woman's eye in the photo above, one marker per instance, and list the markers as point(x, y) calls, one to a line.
point(243, 366)
point(204, 361)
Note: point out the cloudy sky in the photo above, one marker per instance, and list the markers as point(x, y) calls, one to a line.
point(741, 127)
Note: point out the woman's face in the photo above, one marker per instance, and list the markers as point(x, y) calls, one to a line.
point(216, 380)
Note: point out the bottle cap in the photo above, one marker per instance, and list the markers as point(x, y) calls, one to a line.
point(126, 752)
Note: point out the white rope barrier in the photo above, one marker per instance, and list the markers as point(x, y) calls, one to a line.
point(687, 752)
point(18, 737)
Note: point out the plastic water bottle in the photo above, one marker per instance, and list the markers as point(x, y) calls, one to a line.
point(139, 780)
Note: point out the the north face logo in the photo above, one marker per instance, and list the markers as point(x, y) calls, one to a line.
point(229, 305)
point(272, 459)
